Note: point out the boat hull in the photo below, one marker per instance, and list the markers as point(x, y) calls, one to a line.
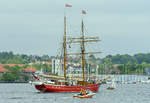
point(59, 88)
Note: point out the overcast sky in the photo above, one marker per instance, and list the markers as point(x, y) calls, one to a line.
point(36, 26)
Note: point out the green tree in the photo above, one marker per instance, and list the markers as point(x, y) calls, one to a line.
point(107, 64)
point(25, 77)
point(9, 77)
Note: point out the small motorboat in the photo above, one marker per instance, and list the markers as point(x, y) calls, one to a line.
point(84, 94)
point(90, 95)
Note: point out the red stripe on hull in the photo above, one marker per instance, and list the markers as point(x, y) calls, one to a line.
point(55, 88)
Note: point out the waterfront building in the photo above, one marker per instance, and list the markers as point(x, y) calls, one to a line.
point(3, 70)
point(29, 70)
point(57, 67)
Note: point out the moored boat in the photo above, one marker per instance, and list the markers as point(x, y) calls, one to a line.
point(112, 86)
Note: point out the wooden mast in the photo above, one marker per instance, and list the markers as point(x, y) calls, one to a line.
point(82, 52)
point(64, 47)
point(81, 40)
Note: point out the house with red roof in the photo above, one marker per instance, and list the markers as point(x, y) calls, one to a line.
point(29, 70)
point(3, 70)
point(49, 63)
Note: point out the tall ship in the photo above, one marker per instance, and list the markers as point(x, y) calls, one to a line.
point(71, 83)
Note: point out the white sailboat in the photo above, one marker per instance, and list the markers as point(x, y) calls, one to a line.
point(112, 86)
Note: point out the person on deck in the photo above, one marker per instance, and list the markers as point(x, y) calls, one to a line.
point(82, 92)
point(87, 91)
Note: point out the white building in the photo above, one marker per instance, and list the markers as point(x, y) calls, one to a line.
point(57, 67)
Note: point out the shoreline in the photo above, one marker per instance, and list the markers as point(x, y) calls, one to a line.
point(12, 82)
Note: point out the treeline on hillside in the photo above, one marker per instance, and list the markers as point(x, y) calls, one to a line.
point(126, 64)
point(123, 64)
point(11, 58)
point(125, 59)
point(111, 64)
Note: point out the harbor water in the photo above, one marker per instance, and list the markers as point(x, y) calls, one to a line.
point(26, 93)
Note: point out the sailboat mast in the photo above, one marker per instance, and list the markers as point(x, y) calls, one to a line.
point(82, 52)
point(64, 47)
